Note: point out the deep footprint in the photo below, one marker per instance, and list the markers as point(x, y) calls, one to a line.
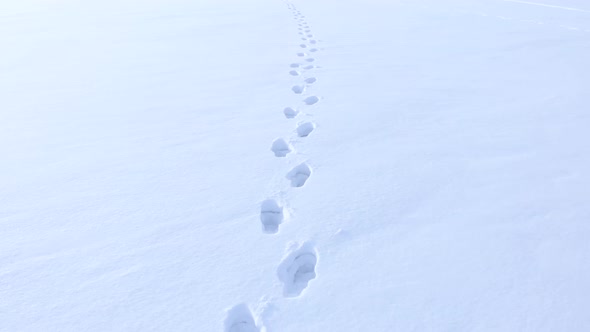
point(290, 112)
point(310, 80)
point(301, 54)
point(239, 319)
point(304, 129)
point(299, 175)
point(280, 147)
point(311, 100)
point(298, 89)
point(271, 216)
point(310, 60)
point(297, 269)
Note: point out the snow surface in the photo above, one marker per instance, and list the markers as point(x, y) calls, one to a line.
point(445, 185)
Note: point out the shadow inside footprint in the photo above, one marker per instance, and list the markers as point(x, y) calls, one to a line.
point(271, 216)
point(299, 175)
point(297, 269)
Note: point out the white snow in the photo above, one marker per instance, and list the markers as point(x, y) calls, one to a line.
point(447, 189)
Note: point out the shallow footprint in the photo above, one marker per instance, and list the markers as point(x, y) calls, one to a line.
point(297, 269)
point(313, 49)
point(299, 175)
point(308, 67)
point(304, 129)
point(290, 112)
point(310, 80)
point(294, 65)
point(310, 60)
point(271, 216)
point(303, 46)
point(298, 89)
point(311, 100)
point(239, 319)
point(294, 73)
point(301, 54)
point(280, 147)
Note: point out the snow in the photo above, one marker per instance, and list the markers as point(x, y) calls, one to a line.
point(444, 187)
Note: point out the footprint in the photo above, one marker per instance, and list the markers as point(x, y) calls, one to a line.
point(239, 319)
point(313, 49)
point(303, 38)
point(298, 89)
point(299, 175)
point(290, 112)
point(271, 216)
point(294, 73)
point(310, 60)
point(297, 269)
point(280, 147)
point(304, 129)
point(294, 65)
point(309, 36)
point(308, 67)
point(307, 31)
point(303, 46)
point(301, 54)
point(310, 80)
point(313, 41)
point(311, 100)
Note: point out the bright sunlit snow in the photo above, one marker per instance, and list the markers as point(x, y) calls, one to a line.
point(303, 166)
